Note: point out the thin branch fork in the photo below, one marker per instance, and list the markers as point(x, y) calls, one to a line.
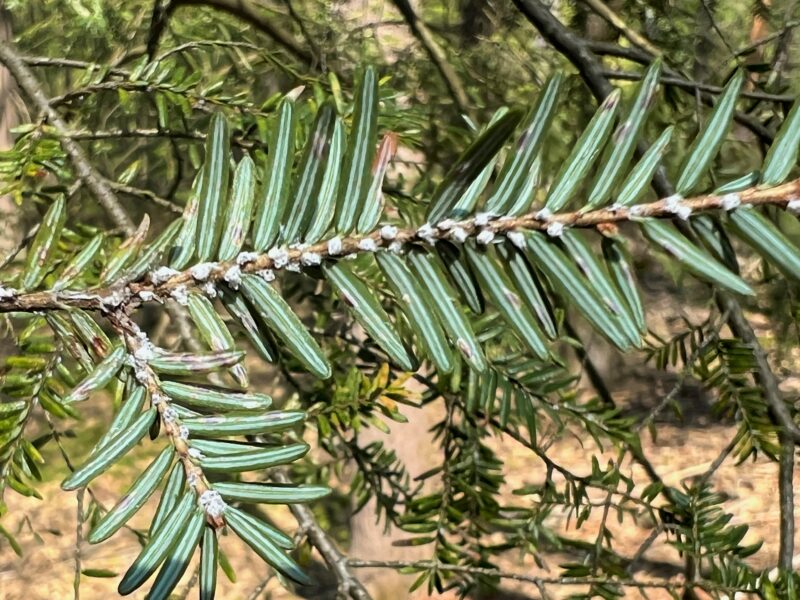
point(670, 76)
point(336, 561)
point(581, 53)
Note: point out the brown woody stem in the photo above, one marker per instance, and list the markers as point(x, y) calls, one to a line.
point(121, 294)
point(130, 332)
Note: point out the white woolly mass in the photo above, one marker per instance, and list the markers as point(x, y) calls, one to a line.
point(7, 292)
point(267, 275)
point(181, 295)
point(555, 229)
point(427, 233)
point(485, 237)
point(794, 205)
point(196, 454)
point(459, 234)
point(335, 246)
point(543, 214)
point(145, 351)
point(673, 203)
point(209, 289)
point(115, 298)
point(310, 259)
point(636, 210)
point(482, 219)
point(233, 276)
point(157, 398)
point(170, 415)
point(367, 244)
point(294, 267)
point(731, 201)
point(212, 503)
point(279, 256)
point(299, 246)
point(516, 238)
point(141, 373)
point(192, 479)
point(183, 432)
point(201, 271)
point(446, 224)
point(684, 212)
point(146, 295)
point(395, 247)
point(162, 274)
point(246, 257)
point(388, 232)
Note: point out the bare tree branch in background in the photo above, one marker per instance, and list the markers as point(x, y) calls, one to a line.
point(349, 585)
point(619, 23)
point(241, 9)
point(437, 54)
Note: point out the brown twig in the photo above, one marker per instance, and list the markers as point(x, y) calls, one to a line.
point(132, 292)
point(141, 193)
point(76, 582)
point(111, 134)
point(786, 498)
point(69, 63)
point(766, 378)
point(349, 585)
point(705, 92)
point(688, 84)
point(135, 344)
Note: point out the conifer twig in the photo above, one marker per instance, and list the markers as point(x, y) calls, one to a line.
point(349, 585)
